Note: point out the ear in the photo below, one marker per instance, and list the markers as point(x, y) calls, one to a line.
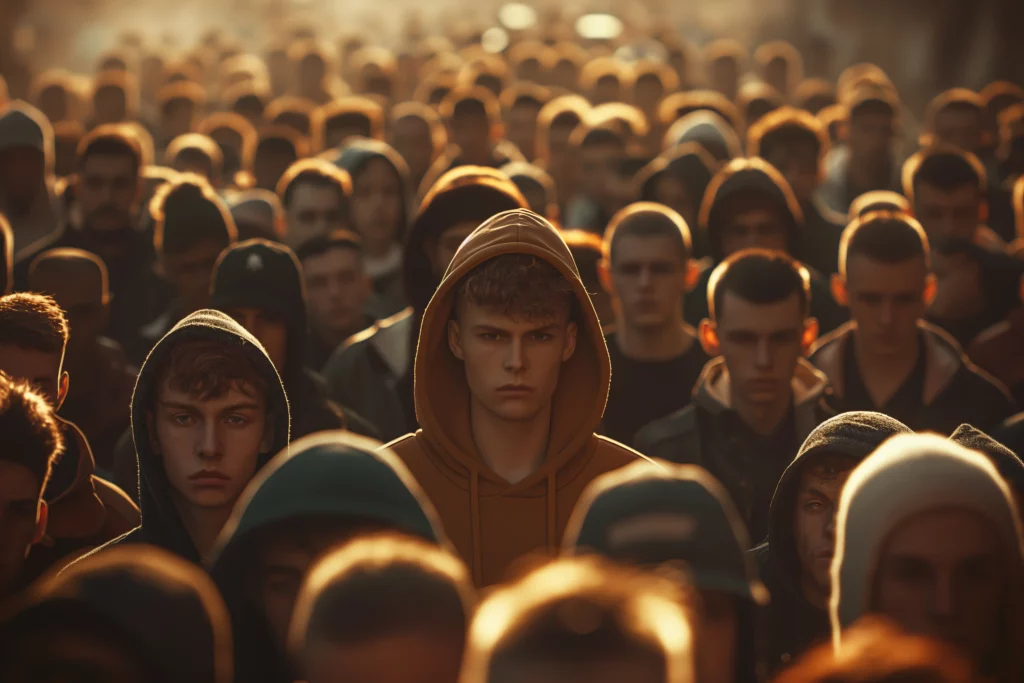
point(931, 288)
point(604, 274)
point(455, 340)
point(62, 389)
point(42, 516)
point(571, 331)
point(810, 334)
point(983, 213)
point(839, 293)
point(693, 272)
point(708, 334)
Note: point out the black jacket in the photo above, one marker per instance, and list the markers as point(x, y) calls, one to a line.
point(161, 525)
point(794, 624)
point(955, 391)
point(710, 434)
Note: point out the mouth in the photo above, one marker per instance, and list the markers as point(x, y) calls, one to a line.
point(514, 389)
point(209, 477)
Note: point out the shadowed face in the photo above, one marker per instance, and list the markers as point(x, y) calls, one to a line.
point(19, 520)
point(814, 511)
point(649, 279)
point(886, 300)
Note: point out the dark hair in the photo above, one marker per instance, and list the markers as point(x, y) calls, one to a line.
point(955, 99)
point(760, 277)
point(884, 236)
point(111, 139)
point(30, 433)
point(33, 321)
point(944, 168)
point(518, 285)
point(196, 147)
point(209, 368)
point(647, 219)
point(379, 586)
point(187, 212)
point(475, 102)
point(71, 262)
point(786, 128)
point(321, 244)
point(585, 136)
point(314, 172)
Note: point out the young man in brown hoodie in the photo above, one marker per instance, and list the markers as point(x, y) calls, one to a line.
point(512, 375)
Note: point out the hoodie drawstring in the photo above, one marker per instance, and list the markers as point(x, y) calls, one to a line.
point(552, 541)
point(474, 515)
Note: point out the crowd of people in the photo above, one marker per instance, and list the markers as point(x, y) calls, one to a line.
point(689, 369)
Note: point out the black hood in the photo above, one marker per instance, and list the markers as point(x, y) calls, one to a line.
point(1006, 461)
point(689, 162)
point(854, 434)
point(463, 195)
point(160, 522)
point(165, 610)
point(747, 177)
point(354, 157)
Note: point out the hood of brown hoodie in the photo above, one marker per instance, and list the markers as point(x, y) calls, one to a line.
point(442, 393)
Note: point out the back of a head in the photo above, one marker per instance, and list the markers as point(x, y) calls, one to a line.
point(883, 236)
point(187, 212)
point(383, 587)
point(878, 200)
point(875, 651)
point(59, 271)
point(760, 277)
point(581, 620)
point(944, 168)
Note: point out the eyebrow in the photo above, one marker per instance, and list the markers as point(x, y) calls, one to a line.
point(186, 406)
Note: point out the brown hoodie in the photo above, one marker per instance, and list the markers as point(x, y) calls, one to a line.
point(492, 522)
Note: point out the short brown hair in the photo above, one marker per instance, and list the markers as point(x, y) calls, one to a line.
point(33, 321)
point(209, 368)
point(518, 285)
point(29, 431)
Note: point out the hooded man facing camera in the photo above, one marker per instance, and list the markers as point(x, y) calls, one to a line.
point(259, 284)
point(512, 376)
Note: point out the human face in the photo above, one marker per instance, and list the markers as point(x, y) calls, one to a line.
point(21, 178)
point(599, 170)
point(448, 243)
point(411, 657)
point(411, 137)
point(269, 166)
point(673, 193)
point(886, 300)
point(377, 206)
point(761, 344)
point(944, 215)
point(108, 191)
point(512, 365)
point(269, 329)
point(759, 228)
point(190, 272)
point(473, 136)
point(649, 279)
point(314, 210)
point(40, 369)
point(20, 516)
point(960, 127)
point(336, 291)
point(109, 106)
point(942, 573)
point(521, 128)
point(870, 137)
point(209, 447)
point(283, 557)
point(799, 165)
point(716, 637)
point(177, 119)
point(814, 514)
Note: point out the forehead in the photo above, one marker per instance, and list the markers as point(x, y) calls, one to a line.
point(827, 470)
point(335, 259)
point(28, 363)
point(965, 194)
point(108, 164)
point(375, 171)
point(958, 116)
point(411, 125)
point(764, 216)
point(943, 535)
point(69, 285)
point(238, 393)
point(646, 248)
point(867, 273)
point(473, 314)
point(314, 194)
point(739, 314)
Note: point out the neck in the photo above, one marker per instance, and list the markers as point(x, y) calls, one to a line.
point(865, 176)
point(377, 249)
point(512, 449)
point(814, 593)
point(202, 524)
point(654, 344)
point(763, 418)
point(889, 365)
point(332, 338)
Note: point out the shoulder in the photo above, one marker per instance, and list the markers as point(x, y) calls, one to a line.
point(612, 454)
point(828, 345)
point(661, 433)
point(117, 504)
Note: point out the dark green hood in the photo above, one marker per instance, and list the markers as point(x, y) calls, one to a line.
point(354, 157)
point(854, 434)
point(163, 609)
point(747, 177)
point(326, 475)
point(160, 522)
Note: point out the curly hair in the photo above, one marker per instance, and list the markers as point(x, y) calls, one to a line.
point(210, 369)
point(521, 286)
point(29, 430)
point(33, 321)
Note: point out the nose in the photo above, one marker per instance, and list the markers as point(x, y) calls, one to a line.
point(830, 527)
point(646, 278)
point(515, 361)
point(944, 598)
point(209, 445)
point(886, 313)
point(762, 355)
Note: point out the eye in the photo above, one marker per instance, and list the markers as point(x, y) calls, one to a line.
point(541, 336)
point(183, 419)
point(489, 336)
point(236, 420)
point(814, 506)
